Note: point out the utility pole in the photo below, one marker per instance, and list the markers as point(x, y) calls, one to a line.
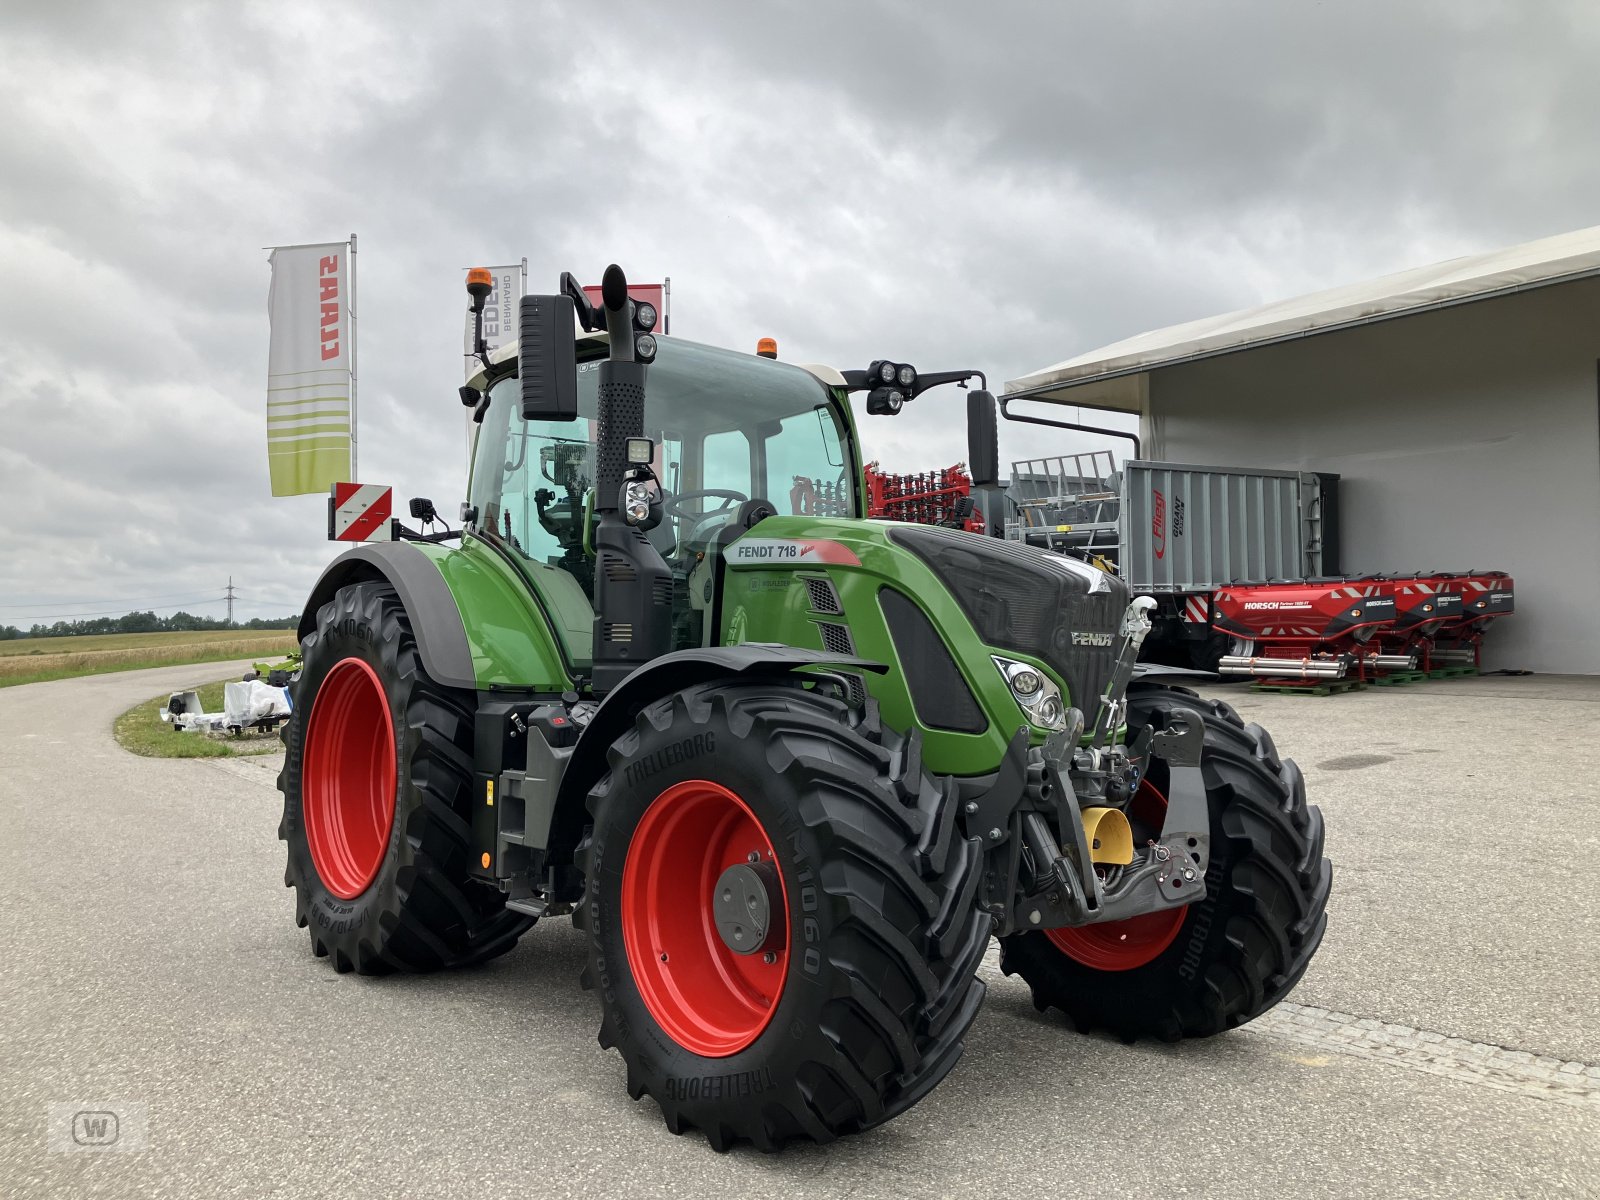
point(230, 599)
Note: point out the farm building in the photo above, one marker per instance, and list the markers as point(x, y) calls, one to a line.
point(1458, 403)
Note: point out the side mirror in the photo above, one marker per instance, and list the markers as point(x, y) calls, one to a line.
point(547, 359)
point(983, 438)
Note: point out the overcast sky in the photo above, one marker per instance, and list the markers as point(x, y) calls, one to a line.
point(995, 185)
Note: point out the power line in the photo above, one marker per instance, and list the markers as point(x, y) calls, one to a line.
point(122, 612)
point(63, 605)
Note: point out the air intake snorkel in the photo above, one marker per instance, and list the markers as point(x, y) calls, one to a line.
point(632, 584)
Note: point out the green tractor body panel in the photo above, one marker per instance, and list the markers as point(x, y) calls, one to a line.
point(512, 642)
point(767, 598)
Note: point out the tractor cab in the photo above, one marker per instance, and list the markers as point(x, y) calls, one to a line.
point(734, 437)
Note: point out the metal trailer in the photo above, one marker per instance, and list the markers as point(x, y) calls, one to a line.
point(1178, 532)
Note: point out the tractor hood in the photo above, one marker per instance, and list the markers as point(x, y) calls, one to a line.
point(1026, 600)
point(938, 606)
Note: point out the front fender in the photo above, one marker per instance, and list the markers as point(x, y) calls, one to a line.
point(670, 673)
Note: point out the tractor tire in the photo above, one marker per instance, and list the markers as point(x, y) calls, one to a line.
point(1199, 970)
point(854, 1006)
point(377, 791)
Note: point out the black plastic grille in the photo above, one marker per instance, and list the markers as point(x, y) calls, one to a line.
point(617, 569)
point(836, 638)
point(939, 694)
point(857, 687)
point(1024, 599)
point(823, 598)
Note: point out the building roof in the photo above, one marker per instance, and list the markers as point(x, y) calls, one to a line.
point(1534, 264)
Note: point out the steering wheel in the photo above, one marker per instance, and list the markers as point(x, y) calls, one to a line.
point(673, 505)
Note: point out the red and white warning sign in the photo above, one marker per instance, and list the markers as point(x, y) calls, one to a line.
point(360, 512)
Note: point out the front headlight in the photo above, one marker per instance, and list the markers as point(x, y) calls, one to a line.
point(1025, 681)
point(1034, 693)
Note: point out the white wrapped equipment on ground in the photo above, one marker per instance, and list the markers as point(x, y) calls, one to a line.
point(244, 704)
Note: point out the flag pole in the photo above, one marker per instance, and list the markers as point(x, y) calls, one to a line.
point(666, 304)
point(354, 475)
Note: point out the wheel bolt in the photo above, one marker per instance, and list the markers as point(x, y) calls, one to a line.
point(769, 958)
point(754, 856)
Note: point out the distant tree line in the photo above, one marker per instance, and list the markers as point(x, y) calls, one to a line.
point(143, 622)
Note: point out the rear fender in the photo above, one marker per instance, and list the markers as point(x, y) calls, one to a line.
point(510, 644)
point(426, 597)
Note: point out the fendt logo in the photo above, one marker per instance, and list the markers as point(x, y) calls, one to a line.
point(1158, 522)
point(1090, 639)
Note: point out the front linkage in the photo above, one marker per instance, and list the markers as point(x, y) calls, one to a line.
point(1058, 846)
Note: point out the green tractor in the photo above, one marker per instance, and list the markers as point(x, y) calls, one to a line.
point(787, 768)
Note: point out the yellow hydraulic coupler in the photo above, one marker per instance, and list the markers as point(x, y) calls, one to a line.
point(1110, 836)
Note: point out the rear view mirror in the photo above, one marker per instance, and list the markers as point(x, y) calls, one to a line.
point(983, 438)
point(547, 359)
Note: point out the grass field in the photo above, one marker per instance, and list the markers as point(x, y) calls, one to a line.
point(142, 731)
point(32, 660)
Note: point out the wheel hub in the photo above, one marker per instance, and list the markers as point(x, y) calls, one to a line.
point(747, 919)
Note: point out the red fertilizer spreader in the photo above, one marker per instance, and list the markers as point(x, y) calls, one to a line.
point(1486, 596)
point(1309, 631)
point(1425, 603)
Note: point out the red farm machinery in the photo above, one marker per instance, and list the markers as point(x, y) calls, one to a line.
point(942, 497)
point(1243, 565)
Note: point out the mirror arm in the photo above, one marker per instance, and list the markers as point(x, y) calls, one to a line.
point(587, 317)
point(940, 378)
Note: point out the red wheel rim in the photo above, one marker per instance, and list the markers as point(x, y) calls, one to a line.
point(708, 999)
point(1125, 945)
point(348, 777)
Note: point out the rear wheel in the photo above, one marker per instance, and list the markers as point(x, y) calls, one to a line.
point(781, 916)
point(1210, 966)
point(377, 783)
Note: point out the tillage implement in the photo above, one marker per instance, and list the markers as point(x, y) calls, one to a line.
point(788, 771)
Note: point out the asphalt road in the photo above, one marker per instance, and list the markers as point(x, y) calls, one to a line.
point(1444, 1043)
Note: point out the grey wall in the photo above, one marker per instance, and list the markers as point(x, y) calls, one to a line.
point(1467, 437)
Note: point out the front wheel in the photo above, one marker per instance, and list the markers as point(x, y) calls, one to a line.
point(781, 916)
point(1199, 970)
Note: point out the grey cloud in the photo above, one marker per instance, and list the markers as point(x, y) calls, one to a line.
point(998, 187)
